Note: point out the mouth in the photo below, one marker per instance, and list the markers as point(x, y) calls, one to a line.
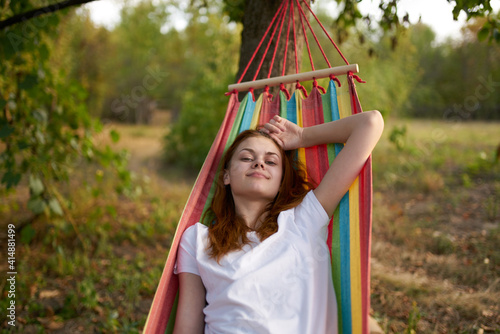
point(258, 175)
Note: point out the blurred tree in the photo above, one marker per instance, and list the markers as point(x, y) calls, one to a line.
point(85, 52)
point(212, 52)
point(457, 79)
point(138, 71)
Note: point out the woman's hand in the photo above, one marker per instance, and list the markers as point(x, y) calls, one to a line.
point(287, 134)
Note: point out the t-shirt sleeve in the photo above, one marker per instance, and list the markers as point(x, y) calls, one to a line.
point(311, 215)
point(186, 254)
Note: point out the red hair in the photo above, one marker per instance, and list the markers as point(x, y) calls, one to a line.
point(227, 231)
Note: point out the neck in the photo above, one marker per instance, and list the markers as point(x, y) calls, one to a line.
point(252, 212)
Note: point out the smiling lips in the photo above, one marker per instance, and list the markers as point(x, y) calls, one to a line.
point(258, 175)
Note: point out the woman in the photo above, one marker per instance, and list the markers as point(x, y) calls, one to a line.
point(263, 264)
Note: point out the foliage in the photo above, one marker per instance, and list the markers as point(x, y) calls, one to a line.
point(141, 67)
point(388, 18)
point(458, 81)
point(83, 50)
point(397, 137)
point(203, 103)
point(45, 129)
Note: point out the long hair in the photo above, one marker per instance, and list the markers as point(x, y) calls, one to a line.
point(227, 231)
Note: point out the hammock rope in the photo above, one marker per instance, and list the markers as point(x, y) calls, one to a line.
point(276, 25)
point(282, 20)
point(260, 44)
point(326, 33)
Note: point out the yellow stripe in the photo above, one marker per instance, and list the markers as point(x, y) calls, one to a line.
point(344, 100)
point(355, 257)
point(256, 113)
point(298, 101)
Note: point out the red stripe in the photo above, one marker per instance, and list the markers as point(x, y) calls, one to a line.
point(269, 108)
point(365, 217)
point(317, 156)
point(169, 283)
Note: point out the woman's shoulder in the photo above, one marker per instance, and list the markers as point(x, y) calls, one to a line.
point(309, 211)
point(194, 231)
point(311, 205)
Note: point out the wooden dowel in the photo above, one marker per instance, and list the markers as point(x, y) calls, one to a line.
point(292, 78)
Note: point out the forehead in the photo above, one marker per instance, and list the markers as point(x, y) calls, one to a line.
point(258, 144)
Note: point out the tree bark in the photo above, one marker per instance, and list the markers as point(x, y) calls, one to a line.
point(40, 11)
point(258, 16)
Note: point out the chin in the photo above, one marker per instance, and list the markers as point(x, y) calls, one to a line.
point(262, 194)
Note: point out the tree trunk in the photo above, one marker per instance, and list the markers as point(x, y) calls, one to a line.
point(258, 16)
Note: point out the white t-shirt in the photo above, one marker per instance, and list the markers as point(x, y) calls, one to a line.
point(280, 285)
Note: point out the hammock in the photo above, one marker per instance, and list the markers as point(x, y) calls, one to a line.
point(349, 231)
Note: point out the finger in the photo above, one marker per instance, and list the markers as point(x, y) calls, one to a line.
point(277, 121)
point(272, 128)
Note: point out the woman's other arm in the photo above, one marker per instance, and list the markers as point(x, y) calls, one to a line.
point(359, 132)
point(190, 318)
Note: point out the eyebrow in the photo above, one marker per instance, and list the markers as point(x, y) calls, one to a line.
point(253, 152)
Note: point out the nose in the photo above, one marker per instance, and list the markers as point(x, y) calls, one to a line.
point(257, 164)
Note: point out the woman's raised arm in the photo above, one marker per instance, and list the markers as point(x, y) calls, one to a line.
point(359, 132)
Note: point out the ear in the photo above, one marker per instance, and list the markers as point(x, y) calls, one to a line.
point(226, 177)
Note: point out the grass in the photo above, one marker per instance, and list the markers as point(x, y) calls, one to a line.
point(435, 228)
point(435, 258)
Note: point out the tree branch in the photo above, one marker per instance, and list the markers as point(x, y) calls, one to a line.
point(40, 11)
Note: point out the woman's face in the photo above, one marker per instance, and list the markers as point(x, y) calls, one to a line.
point(255, 169)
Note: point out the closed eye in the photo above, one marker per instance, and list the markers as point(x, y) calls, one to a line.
point(272, 163)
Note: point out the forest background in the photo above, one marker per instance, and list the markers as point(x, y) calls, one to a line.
point(93, 200)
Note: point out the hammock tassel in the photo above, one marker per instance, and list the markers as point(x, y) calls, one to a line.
point(284, 90)
point(358, 79)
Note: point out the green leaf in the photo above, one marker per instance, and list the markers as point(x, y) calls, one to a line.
point(115, 136)
point(55, 206)
point(112, 211)
point(44, 52)
point(23, 144)
point(36, 205)
point(483, 34)
point(496, 35)
point(27, 234)
point(6, 130)
point(36, 185)
point(29, 82)
point(11, 179)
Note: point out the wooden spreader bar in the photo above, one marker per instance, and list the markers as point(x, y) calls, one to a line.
point(292, 78)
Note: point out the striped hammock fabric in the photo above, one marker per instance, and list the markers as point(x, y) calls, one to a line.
point(349, 230)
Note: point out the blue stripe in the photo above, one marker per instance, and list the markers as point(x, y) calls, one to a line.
point(291, 109)
point(345, 261)
point(248, 113)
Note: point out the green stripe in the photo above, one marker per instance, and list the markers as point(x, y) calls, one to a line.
point(234, 132)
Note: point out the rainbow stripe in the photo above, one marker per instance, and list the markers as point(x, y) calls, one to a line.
point(349, 230)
